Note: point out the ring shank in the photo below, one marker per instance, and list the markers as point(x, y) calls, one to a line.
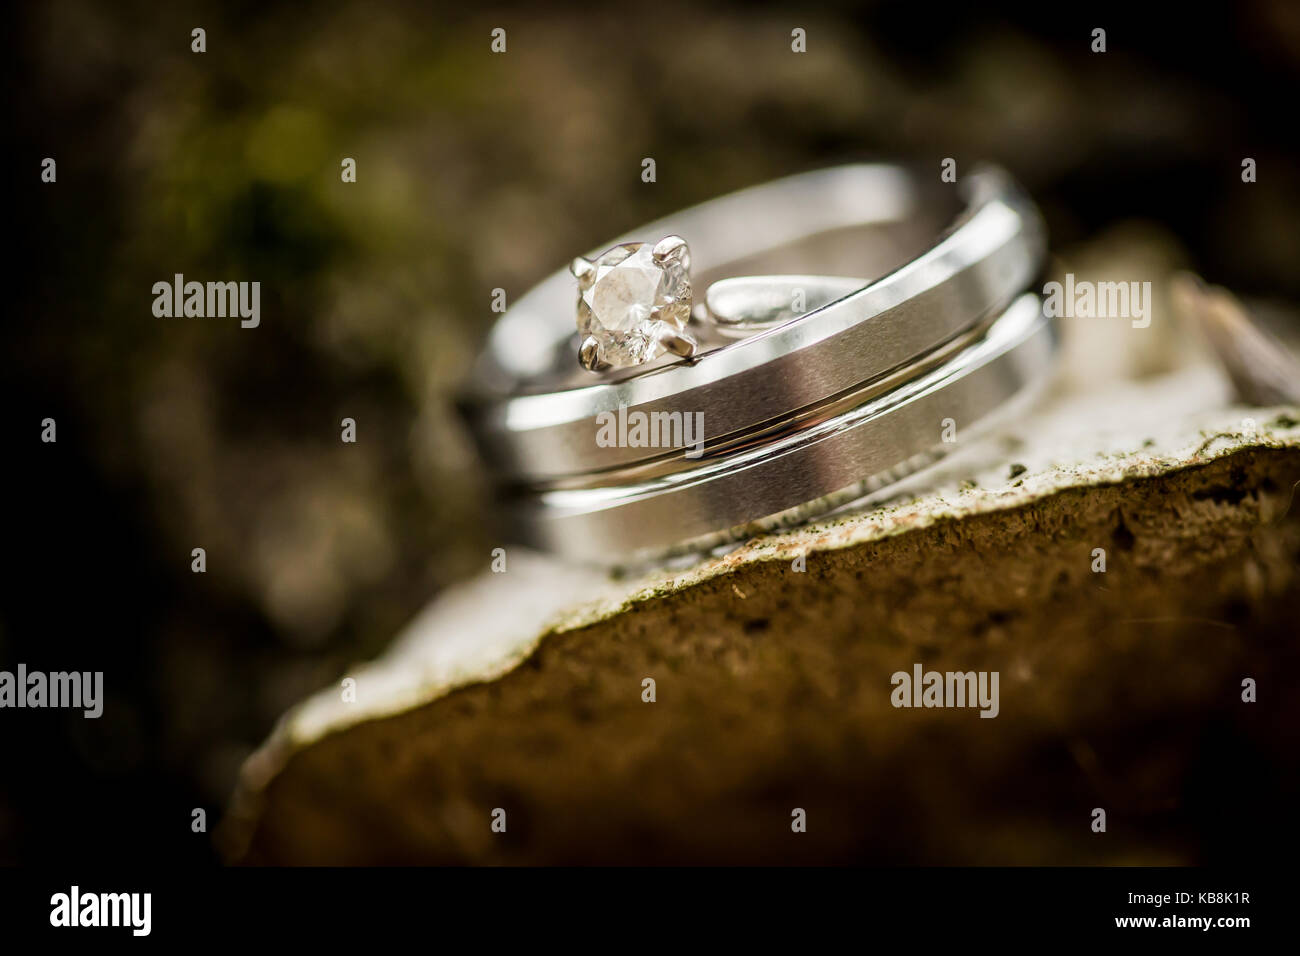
point(724, 234)
point(532, 426)
point(814, 470)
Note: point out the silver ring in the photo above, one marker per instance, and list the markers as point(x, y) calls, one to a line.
point(804, 391)
point(532, 408)
point(822, 462)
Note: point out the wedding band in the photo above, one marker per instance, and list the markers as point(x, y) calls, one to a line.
point(809, 467)
point(798, 390)
point(532, 408)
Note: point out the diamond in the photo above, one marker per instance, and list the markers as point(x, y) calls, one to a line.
point(634, 302)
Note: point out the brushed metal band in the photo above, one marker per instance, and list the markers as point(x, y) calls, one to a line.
point(535, 417)
point(817, 465)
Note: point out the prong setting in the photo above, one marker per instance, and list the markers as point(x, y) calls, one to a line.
point(584, 270)
point(672, 249)
point(589, 355)
point(682, 344)
point(634, 303)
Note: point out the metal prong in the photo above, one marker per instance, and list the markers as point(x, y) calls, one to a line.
point(670, 249)
point(679, 343)
point(584, 270)
point(588, 355)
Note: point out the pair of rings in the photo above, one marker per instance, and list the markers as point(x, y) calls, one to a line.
point(853, 322)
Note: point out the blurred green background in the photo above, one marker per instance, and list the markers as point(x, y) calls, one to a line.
point(475, 171)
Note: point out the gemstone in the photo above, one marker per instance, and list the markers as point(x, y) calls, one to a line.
point(629, 299)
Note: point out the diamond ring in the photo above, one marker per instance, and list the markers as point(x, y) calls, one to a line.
point(844, 314)
point(635, 303)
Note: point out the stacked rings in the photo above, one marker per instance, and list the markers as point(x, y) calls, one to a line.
point(664, 420)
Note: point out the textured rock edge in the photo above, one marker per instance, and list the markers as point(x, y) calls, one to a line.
point(409, 677)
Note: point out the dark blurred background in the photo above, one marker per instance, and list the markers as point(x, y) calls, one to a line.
point(475, 171)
